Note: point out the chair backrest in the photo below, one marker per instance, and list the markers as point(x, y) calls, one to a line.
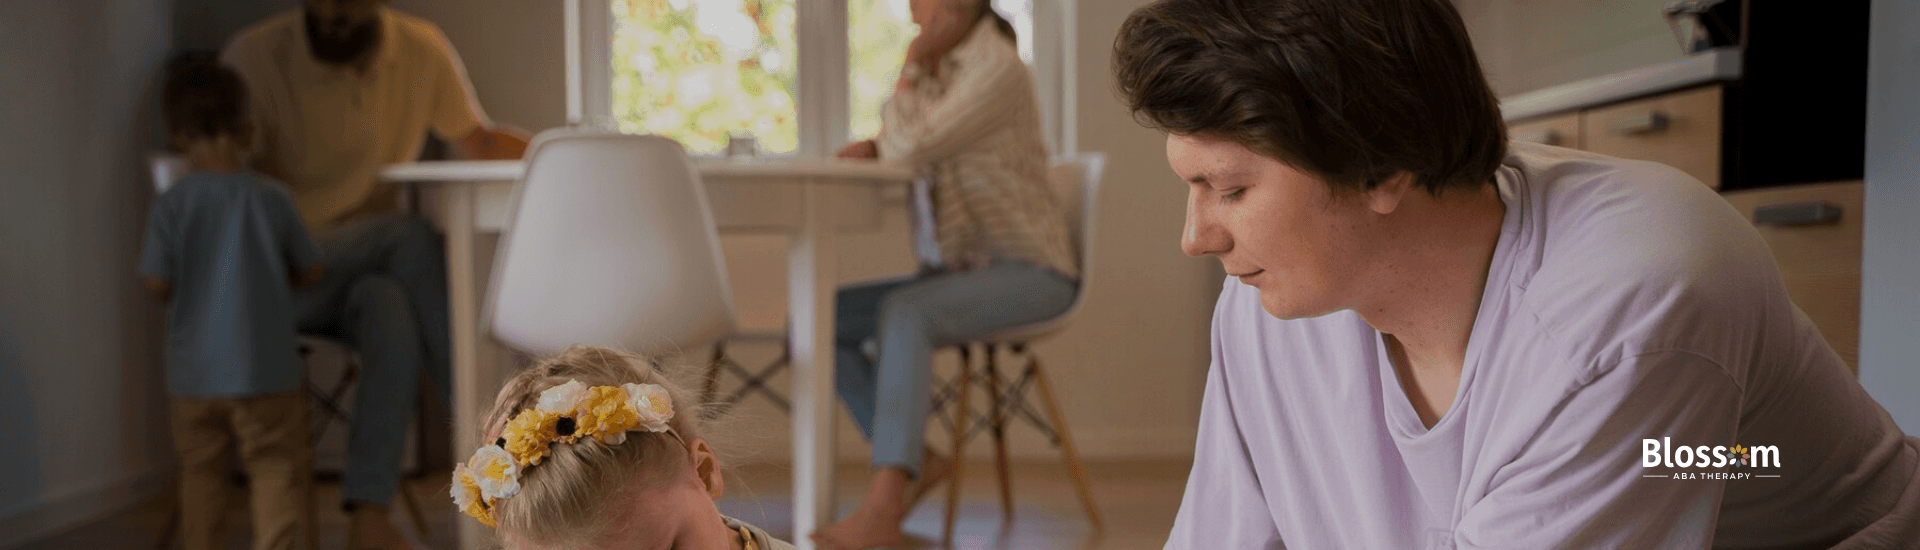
point(611, 243)
point(1076, 181)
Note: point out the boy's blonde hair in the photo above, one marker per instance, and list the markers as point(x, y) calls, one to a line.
point(560, 500)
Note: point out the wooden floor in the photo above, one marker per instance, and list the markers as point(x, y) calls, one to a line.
point(1137, 499)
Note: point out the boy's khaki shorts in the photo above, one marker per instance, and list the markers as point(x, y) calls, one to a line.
point(270, 433)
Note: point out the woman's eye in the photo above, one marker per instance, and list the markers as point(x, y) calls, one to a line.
point(1233, 195)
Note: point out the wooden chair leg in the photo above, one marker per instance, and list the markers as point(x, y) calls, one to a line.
point(168, 533)
point(711, 384)
point(1074, 468)
point(998, 423)
point(962, 418)
point(412, 505)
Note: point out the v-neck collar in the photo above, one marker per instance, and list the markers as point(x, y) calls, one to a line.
point(1401, 417)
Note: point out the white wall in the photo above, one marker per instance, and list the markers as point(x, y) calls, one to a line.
point(1890, 278)
point(1129, 373)
point(1548, 42)
point(514, 52)
point(81, 388)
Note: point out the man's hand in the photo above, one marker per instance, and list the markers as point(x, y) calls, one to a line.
point(309, 276)
point(863, 149)
point(493, 144)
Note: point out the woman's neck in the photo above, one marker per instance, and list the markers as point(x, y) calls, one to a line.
point(1430, 294)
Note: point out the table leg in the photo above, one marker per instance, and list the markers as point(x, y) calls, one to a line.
point(469, 389)
point(810, 289)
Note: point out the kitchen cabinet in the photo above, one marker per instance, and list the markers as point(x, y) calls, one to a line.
point(1558, 131)
point(1814, 231)
point(1680, 129)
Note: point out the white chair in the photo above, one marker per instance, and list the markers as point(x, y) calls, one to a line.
point(611, 242)
point(1076, 181)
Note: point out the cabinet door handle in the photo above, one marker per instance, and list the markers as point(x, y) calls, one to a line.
point(1544, 137)
point(1653, 120)
point(1797, 213)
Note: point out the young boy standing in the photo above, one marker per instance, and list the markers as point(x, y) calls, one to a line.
point(224, 248)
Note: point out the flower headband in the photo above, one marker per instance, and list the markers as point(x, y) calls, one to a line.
point(565, 414)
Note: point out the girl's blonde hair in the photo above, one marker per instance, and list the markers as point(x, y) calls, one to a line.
point(560, 500)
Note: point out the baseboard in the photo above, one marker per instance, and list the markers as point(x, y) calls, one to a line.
point(55, 515)
point(1023, 443)
point(1114, 443)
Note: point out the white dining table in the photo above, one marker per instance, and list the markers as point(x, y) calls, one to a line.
point(465, 198)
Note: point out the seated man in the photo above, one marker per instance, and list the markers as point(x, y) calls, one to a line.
point(341, 88)
point(1433, 338)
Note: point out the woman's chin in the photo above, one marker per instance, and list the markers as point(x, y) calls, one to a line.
point(1286, 307)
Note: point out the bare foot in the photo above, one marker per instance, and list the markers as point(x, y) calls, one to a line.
point(860, 532)
point(877, 522)
point(934, 469)
point(371, 528)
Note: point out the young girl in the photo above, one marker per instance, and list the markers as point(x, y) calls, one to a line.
point(596, 449)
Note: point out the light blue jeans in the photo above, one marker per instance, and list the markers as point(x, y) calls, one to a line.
point(910, 318)
point(385, 294)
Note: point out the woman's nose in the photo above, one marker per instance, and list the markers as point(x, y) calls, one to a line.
point(1202, 235)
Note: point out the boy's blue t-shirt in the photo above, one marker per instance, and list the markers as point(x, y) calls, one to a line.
point(228, 242)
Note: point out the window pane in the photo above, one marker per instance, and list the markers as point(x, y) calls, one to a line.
point(878, 33)
point(699, 70)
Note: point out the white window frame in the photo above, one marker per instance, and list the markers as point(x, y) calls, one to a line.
point(822, 70)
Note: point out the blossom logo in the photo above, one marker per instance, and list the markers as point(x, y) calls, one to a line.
point(1661, 453)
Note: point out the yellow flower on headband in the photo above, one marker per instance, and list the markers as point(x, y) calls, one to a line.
point(563, 414)
point(528, 435)
point(604, 414)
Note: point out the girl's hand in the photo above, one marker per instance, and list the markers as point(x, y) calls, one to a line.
point(863, 149)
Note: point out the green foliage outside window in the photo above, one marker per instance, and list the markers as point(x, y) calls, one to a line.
point(697, 86)
point(701, 70)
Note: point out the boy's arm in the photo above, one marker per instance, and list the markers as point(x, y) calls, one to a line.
point(303, 257)
point(160, 287)
point(156, 258)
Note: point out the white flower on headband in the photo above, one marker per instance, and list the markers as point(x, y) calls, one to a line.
point(494, 471)
point(653, 403)
point(563, 399)
point(463, 490)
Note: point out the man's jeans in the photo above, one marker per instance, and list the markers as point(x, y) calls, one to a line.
point(385, 293)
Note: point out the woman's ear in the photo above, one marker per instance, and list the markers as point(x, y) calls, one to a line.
point(1385, 197)
point(706, 467)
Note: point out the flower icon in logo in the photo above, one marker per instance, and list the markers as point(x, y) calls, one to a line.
point(1740, 456)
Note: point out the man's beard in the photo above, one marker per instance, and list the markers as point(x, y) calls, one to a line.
point(347, 47)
